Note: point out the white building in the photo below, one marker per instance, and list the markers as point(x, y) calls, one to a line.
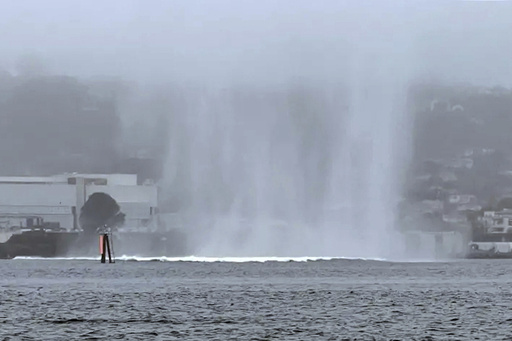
point(59, 199)
point(498, 222)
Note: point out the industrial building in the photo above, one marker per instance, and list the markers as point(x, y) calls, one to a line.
point(57, 200)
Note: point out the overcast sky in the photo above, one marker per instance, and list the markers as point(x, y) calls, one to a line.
point(257, 41)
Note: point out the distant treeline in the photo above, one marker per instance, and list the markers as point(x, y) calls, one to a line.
point(451, 119)
point(53, 124)
point(462, 125)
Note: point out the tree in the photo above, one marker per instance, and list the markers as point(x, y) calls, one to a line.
point(504, 203)
point(30, 65)
point(53, 124)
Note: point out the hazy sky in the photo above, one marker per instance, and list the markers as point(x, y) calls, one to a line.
point(257, 41)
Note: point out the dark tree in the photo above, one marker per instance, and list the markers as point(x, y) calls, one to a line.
point(100, 210)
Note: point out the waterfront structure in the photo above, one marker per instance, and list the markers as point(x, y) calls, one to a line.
point(57, 200)
point(40, 216)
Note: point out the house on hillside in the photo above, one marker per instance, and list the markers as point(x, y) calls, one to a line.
point(498, 222)
point(463, 202)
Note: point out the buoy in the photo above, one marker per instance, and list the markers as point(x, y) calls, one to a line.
point(106, 248)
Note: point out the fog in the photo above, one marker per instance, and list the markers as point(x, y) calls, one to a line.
point(281, 127)
point(216, 41)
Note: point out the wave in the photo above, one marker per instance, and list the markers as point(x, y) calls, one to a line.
point(201, 259)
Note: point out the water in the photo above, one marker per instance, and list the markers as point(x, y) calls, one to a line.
point(315, 300)
point(306, 165)
point(301, 169)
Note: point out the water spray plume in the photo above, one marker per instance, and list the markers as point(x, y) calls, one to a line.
point(310, 168)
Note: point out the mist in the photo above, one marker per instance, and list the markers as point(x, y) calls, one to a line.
point(292, 114)
point(215, 42)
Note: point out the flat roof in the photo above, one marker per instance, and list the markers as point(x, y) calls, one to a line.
point(63, 178)
point(30, 179)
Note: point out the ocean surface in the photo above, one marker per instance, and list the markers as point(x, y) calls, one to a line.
point(254, 299)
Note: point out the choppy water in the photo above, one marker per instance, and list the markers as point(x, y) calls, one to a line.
point(314, 300)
